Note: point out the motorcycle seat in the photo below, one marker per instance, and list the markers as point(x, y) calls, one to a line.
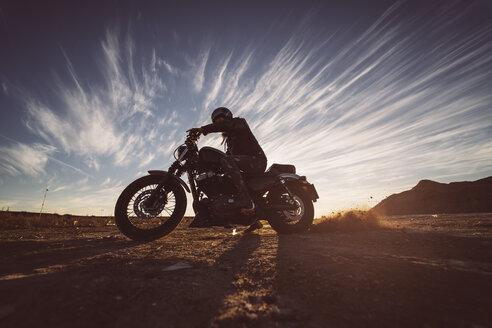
point(276, 169)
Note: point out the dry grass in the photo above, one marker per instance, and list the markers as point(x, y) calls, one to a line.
point(20, 220)
point(353, 220)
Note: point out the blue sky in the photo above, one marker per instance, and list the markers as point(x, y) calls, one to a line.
point(366, 98)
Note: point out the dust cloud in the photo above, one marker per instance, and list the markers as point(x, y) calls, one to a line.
point(347, 221)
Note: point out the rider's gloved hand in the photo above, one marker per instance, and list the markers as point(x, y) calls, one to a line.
point(195, 131)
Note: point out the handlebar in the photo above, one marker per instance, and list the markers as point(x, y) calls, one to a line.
point(193, 136)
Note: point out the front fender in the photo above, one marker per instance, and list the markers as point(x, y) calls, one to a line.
point(165, 173)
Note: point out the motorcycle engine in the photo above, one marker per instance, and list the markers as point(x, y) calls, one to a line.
point(214, 185)
point(219, 189)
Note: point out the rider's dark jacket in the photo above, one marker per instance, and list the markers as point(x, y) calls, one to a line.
point(240, 139)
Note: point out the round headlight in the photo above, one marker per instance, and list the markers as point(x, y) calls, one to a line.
point(180, 152)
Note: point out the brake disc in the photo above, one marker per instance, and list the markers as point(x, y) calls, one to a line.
point(144, 210)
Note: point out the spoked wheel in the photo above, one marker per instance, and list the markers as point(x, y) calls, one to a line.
point(143, 217)
point(295, 220)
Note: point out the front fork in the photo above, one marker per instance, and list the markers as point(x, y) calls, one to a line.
point(153, 198)
point(194, 191)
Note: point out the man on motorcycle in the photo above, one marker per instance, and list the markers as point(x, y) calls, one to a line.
point(243, 153)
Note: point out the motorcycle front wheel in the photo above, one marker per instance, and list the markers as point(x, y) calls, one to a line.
point(143, 219)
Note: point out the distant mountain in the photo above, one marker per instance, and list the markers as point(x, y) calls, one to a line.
point(430, 197)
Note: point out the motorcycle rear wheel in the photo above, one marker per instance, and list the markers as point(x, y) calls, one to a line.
point(296, 221)
point(141, 221)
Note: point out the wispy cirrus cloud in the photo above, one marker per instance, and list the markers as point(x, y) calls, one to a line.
point(19, 158)
point(397, 103)
point(107, 121)
point(362, 115)
point(5, 88)
point(199, 69)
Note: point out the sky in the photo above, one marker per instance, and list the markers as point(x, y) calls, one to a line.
point(365, 98)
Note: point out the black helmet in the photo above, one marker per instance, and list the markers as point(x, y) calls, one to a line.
point(221, 111)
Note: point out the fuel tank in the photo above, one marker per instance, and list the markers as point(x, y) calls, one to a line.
point(209, 159)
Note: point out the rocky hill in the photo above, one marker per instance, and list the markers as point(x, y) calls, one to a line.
point(430, 197)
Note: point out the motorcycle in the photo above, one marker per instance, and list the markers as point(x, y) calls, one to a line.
point(153, 205)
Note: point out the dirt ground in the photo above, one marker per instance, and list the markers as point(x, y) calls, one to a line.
point(412, 272)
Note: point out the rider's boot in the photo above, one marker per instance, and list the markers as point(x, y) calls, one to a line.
point(255, 226)
point(242, 199)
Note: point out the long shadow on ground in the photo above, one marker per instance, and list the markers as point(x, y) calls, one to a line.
point(27, 256)
point(95, 287)
point(384, 279)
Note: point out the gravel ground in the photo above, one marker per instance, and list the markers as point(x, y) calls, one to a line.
point(411, 272)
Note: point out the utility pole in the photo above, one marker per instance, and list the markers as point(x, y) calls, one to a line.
point(42, 204)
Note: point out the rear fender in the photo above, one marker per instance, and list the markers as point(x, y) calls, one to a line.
point(300, 181)
point(165, 173)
